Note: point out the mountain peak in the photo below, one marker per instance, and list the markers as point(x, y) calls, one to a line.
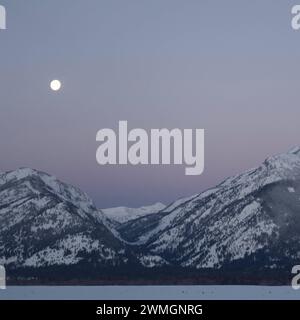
point(295, 150)
point(45, 221)
point(40, 182)
point(20, 173)
point(124, 214)
point(285, 165)
point(24, 173)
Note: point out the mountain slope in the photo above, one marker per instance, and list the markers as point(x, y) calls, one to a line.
point(45, 222)
point(252, 219)
point(249, 223)
point(121, 215)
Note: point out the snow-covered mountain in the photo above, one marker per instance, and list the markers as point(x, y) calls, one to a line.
point(250, 222)
point(45, 222)
point(252, 219)
point(123, 214)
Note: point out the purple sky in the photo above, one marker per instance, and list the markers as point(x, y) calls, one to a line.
point(230, 67)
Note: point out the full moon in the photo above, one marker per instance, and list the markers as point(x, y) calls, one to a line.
point(55, 85)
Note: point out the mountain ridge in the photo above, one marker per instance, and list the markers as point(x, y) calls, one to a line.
point(236, 197)
point(248, 222)
point(124, 214)
point(45, 222)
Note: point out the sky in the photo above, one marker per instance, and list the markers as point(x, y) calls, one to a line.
point(229, 67)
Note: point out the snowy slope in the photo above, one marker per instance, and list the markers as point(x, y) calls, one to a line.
point(254, 216)
point(46, 222)
point(123, 214)
point(250, 221)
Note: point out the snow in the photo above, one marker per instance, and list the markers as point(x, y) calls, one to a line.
point(177, 292)
point(68, 192)
point(179, 202)
point(66, 251)
point(164, 223)
point(124, 214)
point(241, 232)
point(36, 210)
point(18, 174)
point(250, 210)
point(199, 231)
point(295, 150)
point(150, 261)
point(62, 190)
point(211, 260)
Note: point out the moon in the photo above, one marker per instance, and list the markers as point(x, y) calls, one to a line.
point(55, 85)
